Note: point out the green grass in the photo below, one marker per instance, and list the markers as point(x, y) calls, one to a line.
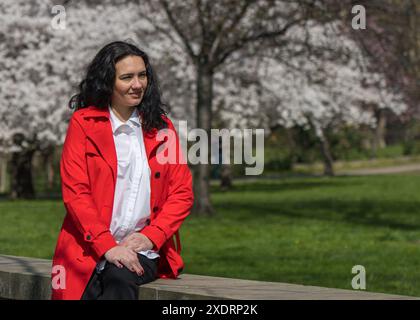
point(298, 230)
point(391, 151)
point(343, 166)
point(30, 227)
point(277, 161)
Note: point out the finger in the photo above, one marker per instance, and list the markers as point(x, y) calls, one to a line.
point(140, 247)
point(139, 268)
point(136, 266)
point(128, 244)
point(128, 265)
point(130, 262)
point(131, 244)
point(133, 254)
point(117, 262)
point(133, 267)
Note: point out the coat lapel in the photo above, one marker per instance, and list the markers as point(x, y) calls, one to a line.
point(100, 133)
point(150, 142)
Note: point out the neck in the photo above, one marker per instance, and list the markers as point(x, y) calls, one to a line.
point(122, 113)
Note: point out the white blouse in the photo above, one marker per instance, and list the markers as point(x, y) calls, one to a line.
point(131, 210)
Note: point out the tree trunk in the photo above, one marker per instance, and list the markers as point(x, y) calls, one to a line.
point(225, 168)
point(202, 203)
point(48, 158)
point(50, 172)
point(226, 177)
point(327, 157)
point(22, 185)
point(3, 173)
point(379, 133)
point(292, 146)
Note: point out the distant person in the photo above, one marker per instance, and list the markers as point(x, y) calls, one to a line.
point(123, 205)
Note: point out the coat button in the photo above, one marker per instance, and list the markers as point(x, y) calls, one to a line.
point(157, 175)
point(155, 209)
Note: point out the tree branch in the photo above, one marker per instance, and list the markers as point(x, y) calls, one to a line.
point(223, 31)
point(257, 37)
point(201, 22)
point(178, 29)
point(165, 32)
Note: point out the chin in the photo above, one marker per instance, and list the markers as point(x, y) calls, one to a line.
point(133, 102)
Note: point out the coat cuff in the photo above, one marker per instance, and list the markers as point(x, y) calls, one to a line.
point(103, 243)
point(156, 235)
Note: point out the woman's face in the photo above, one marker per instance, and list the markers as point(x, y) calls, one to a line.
point(130, 82)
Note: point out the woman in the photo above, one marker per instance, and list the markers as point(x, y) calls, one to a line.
point(123, 205)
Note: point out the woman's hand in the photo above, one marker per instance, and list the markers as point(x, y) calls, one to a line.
point(137, 241)
point(120, 255)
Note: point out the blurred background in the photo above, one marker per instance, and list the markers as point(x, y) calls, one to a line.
point(334, 84)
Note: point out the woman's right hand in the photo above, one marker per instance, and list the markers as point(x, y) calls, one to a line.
point(120, 256)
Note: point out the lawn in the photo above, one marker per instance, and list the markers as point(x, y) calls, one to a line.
point(297, 230)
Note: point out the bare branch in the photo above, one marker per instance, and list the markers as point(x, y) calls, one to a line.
point(178, 29)
point(257, 37)
point(201, 21)
point(223, 31)
point(161, 30)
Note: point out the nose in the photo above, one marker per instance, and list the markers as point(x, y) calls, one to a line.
point(136, 83)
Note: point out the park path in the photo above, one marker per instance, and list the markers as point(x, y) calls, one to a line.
point(403, 168)
point(385, 170)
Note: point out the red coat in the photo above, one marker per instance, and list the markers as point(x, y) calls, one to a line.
point(88, 172)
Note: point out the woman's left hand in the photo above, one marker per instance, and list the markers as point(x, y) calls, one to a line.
point(137, 242)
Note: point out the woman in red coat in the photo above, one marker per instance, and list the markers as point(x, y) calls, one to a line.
point(124, 204)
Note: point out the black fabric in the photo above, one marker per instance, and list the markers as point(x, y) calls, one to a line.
point(114, 283)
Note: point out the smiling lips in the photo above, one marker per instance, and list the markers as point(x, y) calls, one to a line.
point(137, 94)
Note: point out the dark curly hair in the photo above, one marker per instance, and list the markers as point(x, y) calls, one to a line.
point(97, 87)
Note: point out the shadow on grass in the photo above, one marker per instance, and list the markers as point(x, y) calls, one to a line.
point(344, 201)
point(288, 185)
point(391, 214)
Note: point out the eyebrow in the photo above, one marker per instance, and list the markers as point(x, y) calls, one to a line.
point(131, 73)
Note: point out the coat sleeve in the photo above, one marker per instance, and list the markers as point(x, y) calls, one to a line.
point(77, 192)
point(178, 204)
